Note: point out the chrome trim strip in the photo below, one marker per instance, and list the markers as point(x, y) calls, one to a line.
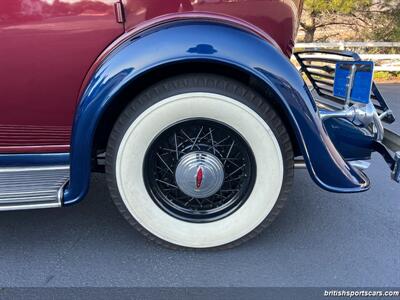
point(360, 164)
point(60, 193)
point(29, 206)
point(299, 164)
point(23, 169)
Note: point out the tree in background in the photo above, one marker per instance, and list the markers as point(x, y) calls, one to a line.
point(386, 21)
point(319, 14)
point(360, 19)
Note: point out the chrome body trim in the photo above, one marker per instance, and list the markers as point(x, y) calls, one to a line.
point(299, 164)
point(60, 193)
point(26, 169)
point(32, 187)
point(360, 164)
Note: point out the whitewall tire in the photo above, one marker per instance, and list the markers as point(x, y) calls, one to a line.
point(244, 123)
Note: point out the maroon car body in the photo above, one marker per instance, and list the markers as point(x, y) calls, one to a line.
point(40, 36)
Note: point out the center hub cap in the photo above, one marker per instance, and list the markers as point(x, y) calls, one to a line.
point(199, 174)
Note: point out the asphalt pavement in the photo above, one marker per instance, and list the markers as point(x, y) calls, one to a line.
point(320, 239)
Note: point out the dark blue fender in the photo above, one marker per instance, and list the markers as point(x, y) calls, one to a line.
point(353, 142)
point(207, 41)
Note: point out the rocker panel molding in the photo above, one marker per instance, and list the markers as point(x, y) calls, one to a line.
point(32, 187)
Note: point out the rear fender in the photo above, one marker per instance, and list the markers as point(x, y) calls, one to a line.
point(193, 40)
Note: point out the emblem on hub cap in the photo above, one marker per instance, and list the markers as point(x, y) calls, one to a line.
point(199, 174)
point(199, 178)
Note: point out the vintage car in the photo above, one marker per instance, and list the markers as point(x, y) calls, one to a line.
point(191, 108)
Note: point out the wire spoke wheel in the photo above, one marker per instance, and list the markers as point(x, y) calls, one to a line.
point(199, 170)
point(199, 161)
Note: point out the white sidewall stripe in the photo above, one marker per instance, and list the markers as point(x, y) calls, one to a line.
point(259, 136)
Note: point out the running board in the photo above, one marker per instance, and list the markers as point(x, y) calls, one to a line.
point(32, 187)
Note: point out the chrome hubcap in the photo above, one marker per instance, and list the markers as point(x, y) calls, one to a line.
point(199, 174)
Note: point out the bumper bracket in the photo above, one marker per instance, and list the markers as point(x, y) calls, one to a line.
point(396, 168)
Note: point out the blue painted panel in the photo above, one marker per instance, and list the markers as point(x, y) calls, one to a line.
point(187, 41)
point(39, 159)
point(361, 91)
point(353, 142)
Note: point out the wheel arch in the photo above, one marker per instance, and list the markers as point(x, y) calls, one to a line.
point(144, 81)
point(207, 42)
